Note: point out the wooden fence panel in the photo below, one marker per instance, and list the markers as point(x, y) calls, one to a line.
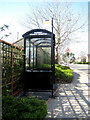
point(12, 68)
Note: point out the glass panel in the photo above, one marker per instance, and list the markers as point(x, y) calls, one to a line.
point(47, 55)
point(38, 56)
point(31, 56)
point(44, 57)
point(27, 54)
point(34, 56)
point(37, 41)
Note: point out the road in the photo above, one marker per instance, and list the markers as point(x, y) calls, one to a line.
point(82, 67)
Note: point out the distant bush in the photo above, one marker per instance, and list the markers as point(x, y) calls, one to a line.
point(63, 74)
point(83, 63)
point(23, 108)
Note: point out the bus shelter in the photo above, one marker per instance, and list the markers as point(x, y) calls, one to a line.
point(39, 60)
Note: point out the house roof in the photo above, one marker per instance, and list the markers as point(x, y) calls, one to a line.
point(19, 43)
point(13, 45)
point(67, 50)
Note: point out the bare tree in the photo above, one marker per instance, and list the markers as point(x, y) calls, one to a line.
point(66, 22)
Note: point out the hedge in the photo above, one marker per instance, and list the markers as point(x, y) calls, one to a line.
point(63, 74)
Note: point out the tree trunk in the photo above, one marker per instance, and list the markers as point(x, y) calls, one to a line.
point(56, 58)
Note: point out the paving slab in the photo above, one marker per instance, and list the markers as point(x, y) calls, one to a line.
point(72, 100)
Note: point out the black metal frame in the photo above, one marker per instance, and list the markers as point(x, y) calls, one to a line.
point(40, 38)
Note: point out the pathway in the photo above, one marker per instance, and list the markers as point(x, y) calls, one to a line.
point(71, 100)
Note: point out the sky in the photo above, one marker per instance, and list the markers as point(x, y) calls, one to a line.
point(13, 12)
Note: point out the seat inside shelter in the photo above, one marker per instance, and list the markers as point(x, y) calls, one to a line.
point(39, 59)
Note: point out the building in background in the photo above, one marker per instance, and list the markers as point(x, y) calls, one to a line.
point(19, 43)
point(88, 58)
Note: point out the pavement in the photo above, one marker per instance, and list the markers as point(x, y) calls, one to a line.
point(71, 101)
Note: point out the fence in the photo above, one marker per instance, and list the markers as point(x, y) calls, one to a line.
point(12, 68)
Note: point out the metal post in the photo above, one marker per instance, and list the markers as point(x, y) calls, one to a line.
point(36, 56)
point(52, 57)
point(33, 56)
point(24, 66)
point(1, 79)
point(52, 25)
point(29, 54)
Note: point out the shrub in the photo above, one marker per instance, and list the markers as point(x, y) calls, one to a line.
point(23, 108)
point(63, 73)
point(81, 62)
